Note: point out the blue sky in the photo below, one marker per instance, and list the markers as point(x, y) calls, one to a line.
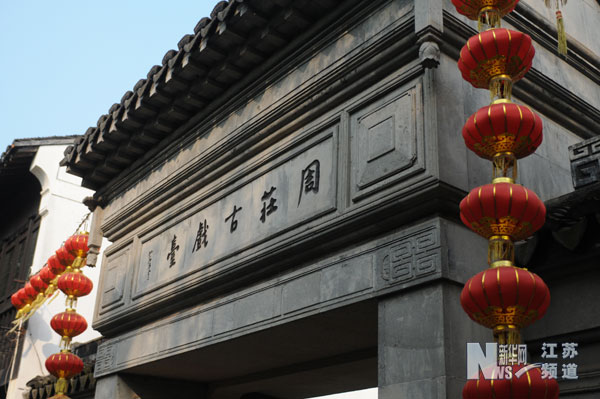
point(65, 62)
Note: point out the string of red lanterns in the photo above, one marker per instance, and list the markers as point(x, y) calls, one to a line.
point(504, 298)
point(490, 12)
point(69, 324)
point(63, 272)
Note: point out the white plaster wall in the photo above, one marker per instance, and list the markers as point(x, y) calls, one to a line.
point(61, 211)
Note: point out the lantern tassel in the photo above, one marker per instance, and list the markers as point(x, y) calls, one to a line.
point(53, 297)
point(16, 326)
point(61, 387)
point(562, 35)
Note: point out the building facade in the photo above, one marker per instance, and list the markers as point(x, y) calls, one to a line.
point(282, 194)
point(43, 206)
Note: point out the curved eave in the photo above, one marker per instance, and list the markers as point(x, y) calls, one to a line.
point(239, 36)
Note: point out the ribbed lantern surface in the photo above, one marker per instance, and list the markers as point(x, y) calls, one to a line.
point(493, 53)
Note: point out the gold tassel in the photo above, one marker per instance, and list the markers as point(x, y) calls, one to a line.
point(54, 297)
point(16, 326)
point(60, 388)
point(562, 35)
point(548, 3)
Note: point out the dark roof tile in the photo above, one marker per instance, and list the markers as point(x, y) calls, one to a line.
point(113, 108)
point(139, 84)
point(201, 24)
point(126, 96)
point(184, 40)
point(239, 35)
point(153, 71)
point(168, 56)
point(220, 6)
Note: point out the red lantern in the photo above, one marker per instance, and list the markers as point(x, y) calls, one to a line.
point(68, 324)
point(529, 384)
point(16, 301)
point(503, 128)
point(46, 274)
point(472, 8)
point(38, 284)
point(504, 296)
point(56, 267)
point(64, 365)
point(495, 52)
point(75, 284)
point(503, 209)
point(30, 291)
point(64, 256)
point(24, 296)
point(77, 245)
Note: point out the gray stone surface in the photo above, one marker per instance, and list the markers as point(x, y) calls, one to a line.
point(422, 343)
point(363, 274)
point(341, 198)
point(408, 257)
point(387, 141)
point(137, 387)
point(113, 387)
point(301, 187)
point(568, 311)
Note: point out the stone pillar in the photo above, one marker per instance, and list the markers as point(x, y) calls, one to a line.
point(113, 387)
point(422, 343)
point(119, 386)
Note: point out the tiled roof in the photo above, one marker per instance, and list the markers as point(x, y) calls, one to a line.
point(238, 36)
point(18, 156)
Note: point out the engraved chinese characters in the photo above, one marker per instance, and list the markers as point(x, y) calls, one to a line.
point(174, 249)
point(234, 223)
point(294, 191)
point(269, 202)
point(310, 179)
point(201, 236)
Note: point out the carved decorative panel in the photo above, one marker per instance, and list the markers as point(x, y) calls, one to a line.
point(585, 162)
point(386, 145)
point(415, 256)
point(113, 284)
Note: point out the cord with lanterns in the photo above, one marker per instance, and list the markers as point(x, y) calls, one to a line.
point(63, 272)
point(504, 297)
